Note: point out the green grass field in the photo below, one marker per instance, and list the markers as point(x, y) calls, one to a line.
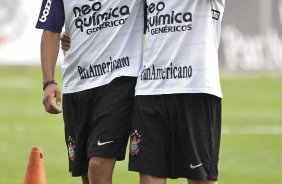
point(251, 149)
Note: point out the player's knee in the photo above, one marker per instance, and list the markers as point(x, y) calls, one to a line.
point(100, 163)
point(100, 170)
point(95, 164)
point(147, 179)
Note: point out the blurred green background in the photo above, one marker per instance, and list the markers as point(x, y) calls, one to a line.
point(251, 149)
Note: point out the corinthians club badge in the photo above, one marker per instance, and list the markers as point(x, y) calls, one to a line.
point(135, 139)
point(71, 148)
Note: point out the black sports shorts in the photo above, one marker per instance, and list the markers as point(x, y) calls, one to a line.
point(97, 122)
point(176, 136)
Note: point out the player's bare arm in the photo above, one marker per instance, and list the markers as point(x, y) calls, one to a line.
point(50, 43)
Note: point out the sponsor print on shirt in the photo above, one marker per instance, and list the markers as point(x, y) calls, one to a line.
point(90, 19)
point(46, 11)
point(97, 70)
point(215, 14)
point(170, 72)
point(159, 21)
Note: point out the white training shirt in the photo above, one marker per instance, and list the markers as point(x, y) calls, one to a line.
point(106, 39)
point(181, 49)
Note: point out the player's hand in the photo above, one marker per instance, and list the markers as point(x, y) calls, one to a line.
point(65, 42)
point(52, 99)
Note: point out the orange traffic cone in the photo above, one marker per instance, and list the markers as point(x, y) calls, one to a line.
point(35, 172)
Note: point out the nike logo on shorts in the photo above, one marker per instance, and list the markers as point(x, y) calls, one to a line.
point(99, 143)
point(195, 166)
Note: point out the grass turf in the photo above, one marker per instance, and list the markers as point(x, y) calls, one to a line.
point(251, 137)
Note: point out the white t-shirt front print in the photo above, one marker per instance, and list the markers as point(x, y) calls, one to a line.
point(181, 49)
point(106, 39)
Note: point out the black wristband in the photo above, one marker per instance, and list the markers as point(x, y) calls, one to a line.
point(47, 83)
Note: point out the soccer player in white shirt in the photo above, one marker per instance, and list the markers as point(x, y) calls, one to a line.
point(176, 124)
point(99, 75)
